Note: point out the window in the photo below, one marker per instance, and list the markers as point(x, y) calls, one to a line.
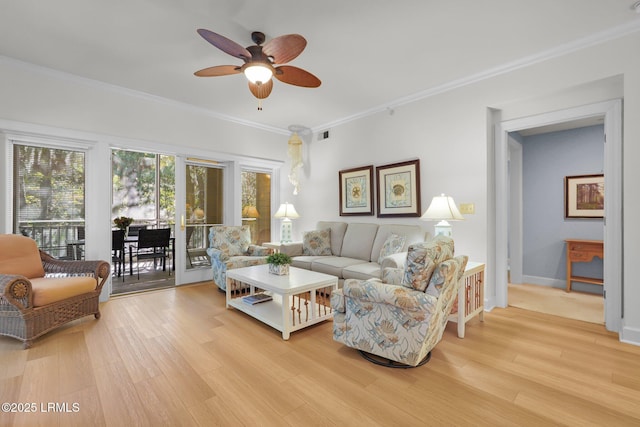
point(48, 205)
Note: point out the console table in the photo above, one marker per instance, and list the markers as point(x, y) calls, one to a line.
point(582, 251)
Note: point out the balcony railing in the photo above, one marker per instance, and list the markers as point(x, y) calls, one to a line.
point(55, 237)
point(64, 239)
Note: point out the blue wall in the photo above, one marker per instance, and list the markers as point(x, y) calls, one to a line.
point(547, 159)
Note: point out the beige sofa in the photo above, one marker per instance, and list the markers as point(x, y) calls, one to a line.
point(355, 249)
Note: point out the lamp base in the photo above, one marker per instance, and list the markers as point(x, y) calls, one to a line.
point(285, 231)
point(443, 228)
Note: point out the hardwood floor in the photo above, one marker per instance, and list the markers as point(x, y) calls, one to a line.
point(545, 299)
point(178, 357)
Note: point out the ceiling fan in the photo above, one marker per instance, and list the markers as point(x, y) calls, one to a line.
point(261, 62)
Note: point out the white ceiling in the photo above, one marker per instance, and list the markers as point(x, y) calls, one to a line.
point(369, 54)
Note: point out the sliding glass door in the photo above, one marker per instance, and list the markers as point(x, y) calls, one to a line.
point(143, 190)
point(256, 204)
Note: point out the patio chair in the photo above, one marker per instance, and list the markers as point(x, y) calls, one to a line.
point(117, 252)
point(152, 244)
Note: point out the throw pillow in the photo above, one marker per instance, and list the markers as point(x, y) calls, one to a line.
point(316, 242)
point(422, 259)
point(418, 269)
point(392, 245)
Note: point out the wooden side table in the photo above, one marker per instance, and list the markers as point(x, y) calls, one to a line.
point(470, 296)
point(579, 250)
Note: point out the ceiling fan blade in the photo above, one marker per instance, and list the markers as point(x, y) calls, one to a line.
point(225, 45)
point(296, 76)
point(284, 48)
point(261, 91)
point(218, 70)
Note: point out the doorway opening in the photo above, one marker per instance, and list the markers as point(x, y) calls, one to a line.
point(540, 160)
point(612, 112)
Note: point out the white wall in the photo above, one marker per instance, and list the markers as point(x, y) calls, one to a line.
point(451, 135)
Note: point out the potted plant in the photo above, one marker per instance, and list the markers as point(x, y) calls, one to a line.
point(279, 263)
point(123, 223)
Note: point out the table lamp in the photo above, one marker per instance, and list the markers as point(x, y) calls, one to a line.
point(287, 212)
point(444, 209)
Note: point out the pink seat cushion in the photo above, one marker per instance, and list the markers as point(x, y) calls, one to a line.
point(20, 255)
point(47, 290)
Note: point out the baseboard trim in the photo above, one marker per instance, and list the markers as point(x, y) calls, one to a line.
point(630, 335)
point(544, 281)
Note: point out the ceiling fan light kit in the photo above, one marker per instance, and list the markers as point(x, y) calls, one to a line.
point(258, 73)
point(261, 62)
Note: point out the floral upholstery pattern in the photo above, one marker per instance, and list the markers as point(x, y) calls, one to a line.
point(317, 242)
point(232, 240)
point(393, 276)
point(392, 245)
point(422, 259)
point(393, 321)
point(222, 260)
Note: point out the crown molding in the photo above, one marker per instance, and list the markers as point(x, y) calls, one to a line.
point(74, 78)
point(564, 49)
point(561, 50)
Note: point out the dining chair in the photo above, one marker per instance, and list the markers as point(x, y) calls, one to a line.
point(117, 252)
point(152, 244)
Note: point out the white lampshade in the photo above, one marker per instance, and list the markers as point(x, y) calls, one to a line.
point(258, 73)
point(443, 209)
point(286, 211)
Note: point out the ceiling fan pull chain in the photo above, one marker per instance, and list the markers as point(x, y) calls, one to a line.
point(259, 104)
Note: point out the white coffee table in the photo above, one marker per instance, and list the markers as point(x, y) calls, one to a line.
point(296, 302)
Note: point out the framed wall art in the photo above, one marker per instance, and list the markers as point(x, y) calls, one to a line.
point(398, 189)
point(356, 191)
point(584, 196)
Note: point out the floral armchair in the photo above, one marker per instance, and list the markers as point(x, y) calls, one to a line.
point(401, 317)
point(230, 247)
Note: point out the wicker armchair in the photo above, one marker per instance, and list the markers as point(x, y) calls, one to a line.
point(38, 293)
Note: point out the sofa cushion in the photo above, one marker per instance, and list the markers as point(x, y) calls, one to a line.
point(337, 234)
point(412, 233)
point(392, 245)
point(333, 264)
point(358, 240)
point(47, 290)
point(317, 242)
point(362, 271)
point(303, 261)
point(231, 240)
point(20, 255)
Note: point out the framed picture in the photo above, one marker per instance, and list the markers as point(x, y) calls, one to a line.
point(398, 189)
point(584, 196)
point(356, 191)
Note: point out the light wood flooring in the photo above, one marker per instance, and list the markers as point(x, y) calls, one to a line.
point(177, 357)
point(545, 299)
